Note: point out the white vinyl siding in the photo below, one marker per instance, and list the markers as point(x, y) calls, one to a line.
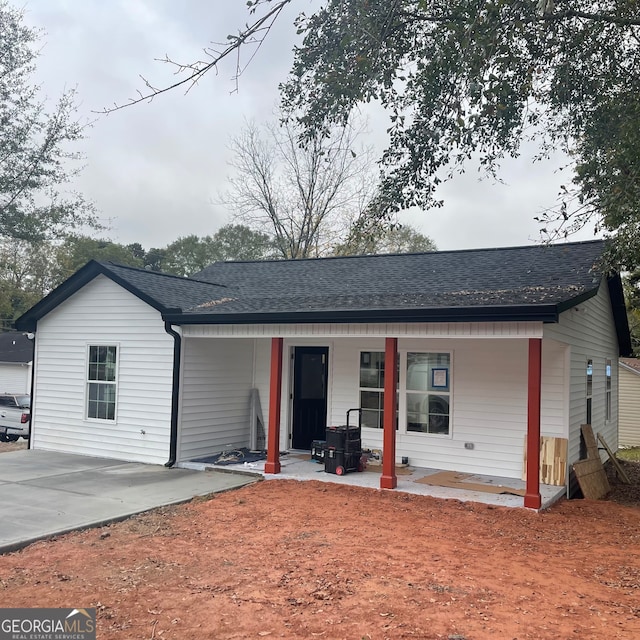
point(262, 373)
point(216, 383)
point(102, 312)
point(15, 378)
point(629, 408)
point(589, 331)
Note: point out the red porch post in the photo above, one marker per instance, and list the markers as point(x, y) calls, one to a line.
point(532, 498)
point(388, 479)
point(272, 465)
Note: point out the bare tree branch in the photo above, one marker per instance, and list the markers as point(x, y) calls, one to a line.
point(196, 70)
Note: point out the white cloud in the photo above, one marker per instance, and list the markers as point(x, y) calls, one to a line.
point(153, 169)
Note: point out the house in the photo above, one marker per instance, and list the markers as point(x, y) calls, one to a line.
point(456, 357)
point(16, 357)
point(629, 392)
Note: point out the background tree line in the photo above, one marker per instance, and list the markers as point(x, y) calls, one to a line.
point(30, 270)
point(459, 79)
point(293, 202)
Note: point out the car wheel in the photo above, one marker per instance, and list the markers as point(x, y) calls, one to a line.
point(3, 437)
point(11, 438)
point(438, 416)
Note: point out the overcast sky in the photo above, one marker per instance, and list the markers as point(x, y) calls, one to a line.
point(154, 170)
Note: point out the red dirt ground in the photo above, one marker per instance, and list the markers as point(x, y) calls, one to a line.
point(286, 559)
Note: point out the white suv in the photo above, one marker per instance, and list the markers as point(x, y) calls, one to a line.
point(15, 416)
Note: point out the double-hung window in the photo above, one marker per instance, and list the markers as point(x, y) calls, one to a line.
point(589, 389)
point(102, 382)
point(428, 392)
point(608, 372)
point(372, 388)
point(424, 385)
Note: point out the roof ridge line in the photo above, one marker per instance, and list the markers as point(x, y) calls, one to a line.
point(110, 263)
point(412, 253)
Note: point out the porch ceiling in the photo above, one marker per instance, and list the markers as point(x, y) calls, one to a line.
point(329, 331)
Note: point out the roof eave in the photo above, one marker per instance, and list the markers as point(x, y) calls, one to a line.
point(529, 313)
point(626, 367)
point(619, 310)
point(29, 320)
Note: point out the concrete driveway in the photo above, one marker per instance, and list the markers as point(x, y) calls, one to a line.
point(46, 493)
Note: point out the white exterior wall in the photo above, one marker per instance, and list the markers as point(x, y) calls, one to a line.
point(103, 313)
point(217, 379)
point(262, 374)
point(629, 415)
point(15, 377)
point(589, 331)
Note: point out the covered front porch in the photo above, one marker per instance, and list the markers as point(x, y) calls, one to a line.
point(498, 386)
point(389, 477)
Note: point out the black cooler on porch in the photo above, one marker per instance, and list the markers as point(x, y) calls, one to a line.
point(343, 449)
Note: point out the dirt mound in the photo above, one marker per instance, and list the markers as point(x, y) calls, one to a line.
point(287, 559)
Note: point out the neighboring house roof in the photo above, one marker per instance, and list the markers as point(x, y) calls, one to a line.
point(15, 348)
point(535, 283)
point(631, 364)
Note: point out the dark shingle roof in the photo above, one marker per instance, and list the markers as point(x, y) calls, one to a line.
point(534, 275)
point(532, 283)
point(15, 348)
point(164, 291)
point(515, 283)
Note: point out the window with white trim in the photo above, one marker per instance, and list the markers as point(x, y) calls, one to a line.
point(589, 389)
point(424, 384)
point(607, 371)
point(372, 388)
point(428, 392)
point(102, 364)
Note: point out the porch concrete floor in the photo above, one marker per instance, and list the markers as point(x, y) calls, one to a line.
point(296, 467)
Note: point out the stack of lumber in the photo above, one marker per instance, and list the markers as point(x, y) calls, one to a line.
point(553, 460)
point(590, 473)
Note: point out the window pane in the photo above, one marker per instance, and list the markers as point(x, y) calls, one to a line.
point(372, 419)
point(102, 363)
point(428, 371)
point(589, 377)
point(372, 369)
point(371, 399)
point(439, 414)
point(427, 413)
point(102, 401)
point(417, 412)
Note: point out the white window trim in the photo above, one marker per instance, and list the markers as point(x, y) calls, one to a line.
point(608, 393)
point(85, 408)
point(361, 388)
point(588, 393)
point(403, 393)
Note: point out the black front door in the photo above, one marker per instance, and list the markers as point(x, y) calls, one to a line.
point(309, 395)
